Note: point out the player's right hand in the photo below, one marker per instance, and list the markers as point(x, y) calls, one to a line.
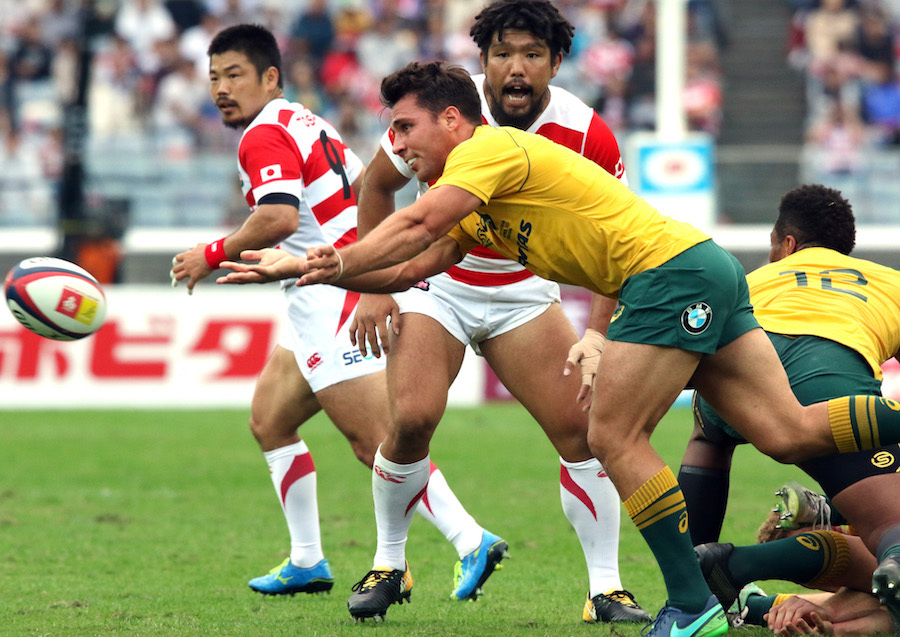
point(370, 323)
point(586, 354)
point(796, 616)
point(273, 265)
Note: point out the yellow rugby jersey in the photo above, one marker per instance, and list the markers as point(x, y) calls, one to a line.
point(821, 292)
point(557, 213)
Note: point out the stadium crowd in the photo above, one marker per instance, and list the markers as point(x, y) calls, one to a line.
point(148, 78)
point(848, 52)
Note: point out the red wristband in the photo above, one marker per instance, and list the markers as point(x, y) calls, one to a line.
point(215, 253)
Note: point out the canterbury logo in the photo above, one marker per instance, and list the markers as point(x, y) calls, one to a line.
point(384, 475)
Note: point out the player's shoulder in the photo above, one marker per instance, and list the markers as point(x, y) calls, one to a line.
point(568, 109)
point(289, 115)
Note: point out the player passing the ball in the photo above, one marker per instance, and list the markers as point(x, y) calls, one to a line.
point(683, 313)
point(504, 312)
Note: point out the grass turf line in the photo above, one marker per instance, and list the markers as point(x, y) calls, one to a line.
point(151, 523)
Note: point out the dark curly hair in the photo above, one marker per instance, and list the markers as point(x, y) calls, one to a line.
point(817, 216)
point(436, 86)
point(538, 17)
point(254, 41)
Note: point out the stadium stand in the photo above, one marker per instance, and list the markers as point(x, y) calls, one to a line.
point(793, 90)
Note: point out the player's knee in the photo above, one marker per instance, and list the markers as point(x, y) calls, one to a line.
point(258, 429)
point(364, 450)
point(781, 450)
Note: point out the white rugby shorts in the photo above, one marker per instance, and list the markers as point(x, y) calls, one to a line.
point(317, 333)
point(471, 313)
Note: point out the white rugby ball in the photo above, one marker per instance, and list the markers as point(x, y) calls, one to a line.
point(55, 298)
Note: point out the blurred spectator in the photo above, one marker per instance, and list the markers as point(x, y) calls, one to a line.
point(840, 136)
point(233, 12)
point(31, 58)
point(177, 113)
point(875, 37)
point(702, 88)
point(826, 28)
point(185, 13)
point(881, 104)
point(143, 24)
point(387, 47)
point(194, 42)
point(59, 22)
point(26, 197)
point(312, 33)
point(112, 107)
point(301, 85)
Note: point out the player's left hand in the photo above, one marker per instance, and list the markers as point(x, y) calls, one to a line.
point(324, 265)
point(586, 353)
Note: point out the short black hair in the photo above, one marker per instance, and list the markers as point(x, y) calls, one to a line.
point(254, 41)
point(436, 86)
point(538, 17)
point(816, 215)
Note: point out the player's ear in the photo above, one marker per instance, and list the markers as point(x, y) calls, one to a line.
point(790, 244)
point(270, 78)
point(554, 65)
point(451, 117)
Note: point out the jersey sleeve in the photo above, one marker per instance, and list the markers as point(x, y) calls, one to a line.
point(464, 240)
point(269, 157)
point(601, 147)
point(387, 144)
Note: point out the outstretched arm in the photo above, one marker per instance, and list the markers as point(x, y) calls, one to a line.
point(274, 264)
point(402, 236)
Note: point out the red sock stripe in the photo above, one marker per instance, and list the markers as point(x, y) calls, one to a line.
point(415, 500)
point(569, 485)
point(301, 466)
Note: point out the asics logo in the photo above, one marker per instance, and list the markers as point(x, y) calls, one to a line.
point(384, 475)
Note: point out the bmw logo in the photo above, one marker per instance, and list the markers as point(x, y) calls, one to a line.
point(696, 318)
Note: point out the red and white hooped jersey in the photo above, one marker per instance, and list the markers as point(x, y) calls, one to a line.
point(290, 152)
point(567, 121)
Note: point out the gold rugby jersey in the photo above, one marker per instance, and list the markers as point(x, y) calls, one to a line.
point(557, 213)
point(821, 292)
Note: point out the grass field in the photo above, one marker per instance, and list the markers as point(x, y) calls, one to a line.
point(151, 523)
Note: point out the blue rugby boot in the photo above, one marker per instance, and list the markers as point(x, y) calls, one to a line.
point(287, 579)
point(473, 570)
point(672, 622)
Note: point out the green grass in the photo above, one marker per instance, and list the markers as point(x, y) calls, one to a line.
point(151, 523)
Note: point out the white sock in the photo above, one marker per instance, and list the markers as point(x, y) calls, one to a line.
point(294, 477)
point(396, 490)
point(592, 506)
point(441, 507)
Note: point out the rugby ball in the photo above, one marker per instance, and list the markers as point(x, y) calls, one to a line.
point(55, 298)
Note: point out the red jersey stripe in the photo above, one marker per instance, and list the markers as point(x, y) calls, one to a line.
point(487, 279)
point(327, 210)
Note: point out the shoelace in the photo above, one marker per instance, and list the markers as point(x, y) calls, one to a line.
point(648, 629)
point(371, 580)
point(623, 597)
